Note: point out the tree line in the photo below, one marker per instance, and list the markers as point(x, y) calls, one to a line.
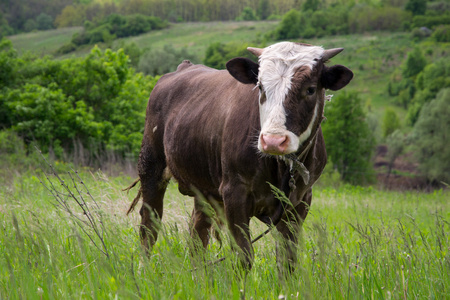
point(304, 18)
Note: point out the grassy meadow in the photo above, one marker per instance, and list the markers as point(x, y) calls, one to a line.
point(357, 243)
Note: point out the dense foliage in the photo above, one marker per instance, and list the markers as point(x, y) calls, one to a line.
point(431, 137)
point(96, 102)
point(418, 82)
point(349, 141)
point(339, 19)
point(218, 54)
point(157, 62)
point(112, 27)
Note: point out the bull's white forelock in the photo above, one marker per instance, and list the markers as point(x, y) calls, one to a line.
point(277, 65)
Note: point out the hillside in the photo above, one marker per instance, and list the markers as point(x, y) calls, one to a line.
point(372, 57)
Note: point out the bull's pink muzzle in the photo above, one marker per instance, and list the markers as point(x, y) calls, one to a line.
point(274, 144)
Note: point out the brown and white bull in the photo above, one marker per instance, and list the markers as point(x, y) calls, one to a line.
point(225, 134)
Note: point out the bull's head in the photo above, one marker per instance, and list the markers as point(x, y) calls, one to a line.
point(292, 79)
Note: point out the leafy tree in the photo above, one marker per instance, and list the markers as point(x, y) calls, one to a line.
point(218, 54)
point(290, 25)
point(391, 122)
point(417, 7)
point(248, 14)
point(30, 25)
point(96, 101)
point(44, 22)
point(312, 5)
point(430, 137)
point(8, 64)
point(414, 64)
point(396, 143)
point(159, 62)
point(442, 34)
point(5, 29)
point(263, 9)
point(349, 141)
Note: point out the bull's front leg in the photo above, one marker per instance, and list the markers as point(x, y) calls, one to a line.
point(290, 227)
point(238, 214)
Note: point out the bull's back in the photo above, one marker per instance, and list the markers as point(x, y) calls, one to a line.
point(196, 107)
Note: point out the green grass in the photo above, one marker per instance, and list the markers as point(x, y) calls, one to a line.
point(198, 36)
point(356, 243)
point(43, 42)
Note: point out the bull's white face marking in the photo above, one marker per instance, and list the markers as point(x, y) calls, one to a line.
point(277, 65)
point(154, 129)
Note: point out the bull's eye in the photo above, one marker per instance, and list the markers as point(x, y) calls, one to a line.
point(310, 91)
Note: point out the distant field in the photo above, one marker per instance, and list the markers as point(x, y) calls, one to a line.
point(43, 42)
point(198, 36)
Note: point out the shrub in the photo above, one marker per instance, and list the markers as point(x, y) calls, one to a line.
point(158, 62)
point(67, 48)
point(96, 102)
point(349, 141)
point(44, 22)
point(430, 138)
point(218, 54)
point(442, 34)
point(417, 7)
point(289, 27)
point(391, 122)
point(30, 25)
point(115, 26)
point(364, 18)
point(414, 64)
point(431, 21)
point(248, 14)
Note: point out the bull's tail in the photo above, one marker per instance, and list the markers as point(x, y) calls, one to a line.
point(138, 196)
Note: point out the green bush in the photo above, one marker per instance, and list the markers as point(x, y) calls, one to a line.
point(159, 62)
point(289, 27)
point(416, 7)
point(8, 64)
point(218, 54)
point(391, 122)
point(414, 64)
point(44, 21)
point(349, 141)
point(112, 27)
point(430, 137)
point(442, 34)
point(364, 18)
point(431, 21)
point(309, 23)
point(248, 14)
point(97, 102)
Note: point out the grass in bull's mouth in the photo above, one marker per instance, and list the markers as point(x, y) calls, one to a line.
point(356, 243)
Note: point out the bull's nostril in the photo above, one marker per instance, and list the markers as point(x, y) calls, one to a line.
point(275, 144)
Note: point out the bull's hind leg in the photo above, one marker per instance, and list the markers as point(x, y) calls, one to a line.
point(154, 178)
point(200, 222)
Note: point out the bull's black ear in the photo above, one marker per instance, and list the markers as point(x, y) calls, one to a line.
point(243, 69)
point(336, 77)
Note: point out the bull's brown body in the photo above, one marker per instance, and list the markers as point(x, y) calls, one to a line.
point(202, 128)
